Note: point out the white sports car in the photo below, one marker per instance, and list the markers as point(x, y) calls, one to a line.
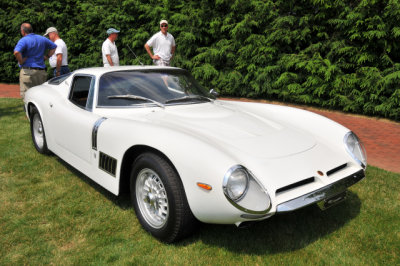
point(186, 156)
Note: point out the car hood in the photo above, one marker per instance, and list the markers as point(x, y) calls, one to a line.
point(237, 130)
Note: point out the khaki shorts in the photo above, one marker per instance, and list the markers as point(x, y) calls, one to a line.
point(29, 78)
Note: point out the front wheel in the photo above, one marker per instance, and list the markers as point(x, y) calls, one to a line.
point(159, 198)
point(37, 132)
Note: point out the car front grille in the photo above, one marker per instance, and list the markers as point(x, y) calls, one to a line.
point(309, 180)
point(336, 169)
point(295, 185)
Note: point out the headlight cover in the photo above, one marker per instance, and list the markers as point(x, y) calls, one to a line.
point(236, 182)
point(356, 149)
point(244, 192)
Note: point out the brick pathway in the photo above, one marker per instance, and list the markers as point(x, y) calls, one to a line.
point(381, 137)
point(9, 91)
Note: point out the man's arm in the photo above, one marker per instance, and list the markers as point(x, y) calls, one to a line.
point(147, 47)
point(19, 48)
point(52, 48)
point(20, 60)
point(59, 63)
point(173, 52)
point(51, 52)
point(109, 60)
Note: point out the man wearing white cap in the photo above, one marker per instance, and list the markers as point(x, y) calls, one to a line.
point(109, 49)
point(163, 44)
point(59, 60)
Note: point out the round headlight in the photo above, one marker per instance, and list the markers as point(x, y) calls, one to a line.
point(236, 182)
point(356, 149)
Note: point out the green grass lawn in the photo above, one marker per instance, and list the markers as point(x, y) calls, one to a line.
point(52, 214)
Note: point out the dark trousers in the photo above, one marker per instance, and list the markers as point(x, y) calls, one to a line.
point(63, 70)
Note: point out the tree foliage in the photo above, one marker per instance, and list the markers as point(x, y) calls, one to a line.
point(335, 54)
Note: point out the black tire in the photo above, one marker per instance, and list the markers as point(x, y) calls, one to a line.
point(37, 132)
point(159, 199)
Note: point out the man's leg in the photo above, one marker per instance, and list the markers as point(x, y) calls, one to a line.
point(38, 77)
point(161, 62)
point(43, 77)
point(64, 70)
point(25, 81)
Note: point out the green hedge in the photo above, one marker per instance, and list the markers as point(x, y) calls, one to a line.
point(334, 54)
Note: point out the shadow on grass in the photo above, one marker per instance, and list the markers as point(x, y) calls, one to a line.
point(123, 201)
point(280, 233)
point(12, 108)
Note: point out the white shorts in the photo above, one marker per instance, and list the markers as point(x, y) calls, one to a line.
point(161, 62)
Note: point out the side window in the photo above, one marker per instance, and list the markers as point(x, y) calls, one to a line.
point(80, 90)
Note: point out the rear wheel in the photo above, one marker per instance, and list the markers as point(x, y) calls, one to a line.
point(37, 132)
point(159, 199)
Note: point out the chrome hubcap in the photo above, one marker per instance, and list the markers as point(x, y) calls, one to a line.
point(38, 131)
point(152, 198)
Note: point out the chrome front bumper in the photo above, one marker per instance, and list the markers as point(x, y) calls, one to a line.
point(321, 194)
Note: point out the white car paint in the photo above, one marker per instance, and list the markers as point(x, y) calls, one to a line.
point(279, 145)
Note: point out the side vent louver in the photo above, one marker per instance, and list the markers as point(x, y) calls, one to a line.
point(107, 163)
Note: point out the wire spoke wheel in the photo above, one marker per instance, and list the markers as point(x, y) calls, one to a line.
point(152, 198)
point(37, 131)
point(159, 199)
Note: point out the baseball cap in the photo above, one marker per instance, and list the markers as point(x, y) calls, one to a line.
point(51, 29)
point(112, 30)
point(163, 22)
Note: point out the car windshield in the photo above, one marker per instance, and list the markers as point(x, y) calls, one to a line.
point(150, 87)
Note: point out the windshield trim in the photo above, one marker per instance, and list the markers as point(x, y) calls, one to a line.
point(149, 105)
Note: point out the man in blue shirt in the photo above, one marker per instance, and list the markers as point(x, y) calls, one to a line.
point(29, 52)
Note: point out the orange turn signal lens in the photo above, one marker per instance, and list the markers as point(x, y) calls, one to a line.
point(204, 186)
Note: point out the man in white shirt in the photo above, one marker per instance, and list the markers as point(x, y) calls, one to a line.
point(109, 49)
point(163, 44)
point(59, 60)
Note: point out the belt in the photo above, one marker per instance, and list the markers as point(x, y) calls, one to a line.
point(35, 68)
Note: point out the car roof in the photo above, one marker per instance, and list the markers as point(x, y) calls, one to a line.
point(102, 70)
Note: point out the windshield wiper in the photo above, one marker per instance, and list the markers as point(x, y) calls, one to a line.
point(188, 98)
point(135, 97)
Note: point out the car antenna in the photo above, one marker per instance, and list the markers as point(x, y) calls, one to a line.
point(135, 55)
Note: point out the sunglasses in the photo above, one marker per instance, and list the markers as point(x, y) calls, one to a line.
point(164, 25)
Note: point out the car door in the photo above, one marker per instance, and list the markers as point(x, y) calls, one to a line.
point(74, 120)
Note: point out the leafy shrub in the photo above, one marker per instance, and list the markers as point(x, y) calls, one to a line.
point(335, 54)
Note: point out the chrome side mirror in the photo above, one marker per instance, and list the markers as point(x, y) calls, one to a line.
point(214, 93)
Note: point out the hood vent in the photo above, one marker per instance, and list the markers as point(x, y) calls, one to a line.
point(295, 185)
point(337, 169)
